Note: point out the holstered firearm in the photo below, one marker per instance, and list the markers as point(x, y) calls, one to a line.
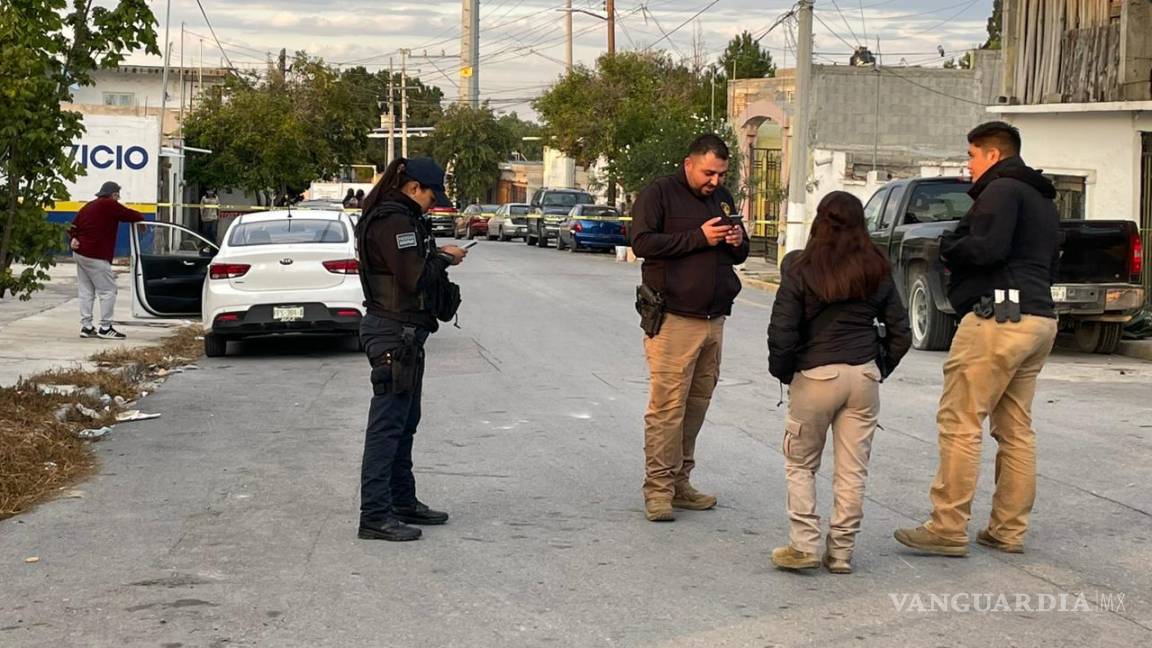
point(650, 305)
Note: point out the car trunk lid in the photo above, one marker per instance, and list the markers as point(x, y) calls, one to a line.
point(291, 267)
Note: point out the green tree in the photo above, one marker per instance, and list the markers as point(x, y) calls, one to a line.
point(531, 149)
point(473, 143)
point(744, 58)
point(46, 48)
point(995, 24)
point(274, 137)
point(636, 110)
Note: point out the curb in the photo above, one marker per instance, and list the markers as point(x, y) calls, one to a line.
point(769, 287)
point(1138, 349)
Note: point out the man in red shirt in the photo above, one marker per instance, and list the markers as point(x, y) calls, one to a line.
point(93, 243)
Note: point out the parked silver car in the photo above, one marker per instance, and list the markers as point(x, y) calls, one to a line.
point(510, 221)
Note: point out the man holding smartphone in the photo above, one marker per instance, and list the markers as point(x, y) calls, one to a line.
point(683, 227)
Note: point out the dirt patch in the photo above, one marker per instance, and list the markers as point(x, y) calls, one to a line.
point(40, 451)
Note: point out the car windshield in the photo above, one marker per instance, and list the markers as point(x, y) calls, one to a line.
point(938, 201)
point(288, 231)
point(566, 199)
point(489, 209)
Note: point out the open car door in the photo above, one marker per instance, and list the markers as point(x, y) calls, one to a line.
point(169, 266)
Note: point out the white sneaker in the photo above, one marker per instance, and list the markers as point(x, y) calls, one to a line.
point(110, 334)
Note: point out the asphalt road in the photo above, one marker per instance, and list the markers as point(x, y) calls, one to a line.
point(231, 520)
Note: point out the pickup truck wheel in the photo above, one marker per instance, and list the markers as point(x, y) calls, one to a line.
point(215, 346)
point(932, 329)
point(1098, 337)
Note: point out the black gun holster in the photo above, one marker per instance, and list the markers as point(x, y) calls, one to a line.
point(650, 305)
point(404, 362)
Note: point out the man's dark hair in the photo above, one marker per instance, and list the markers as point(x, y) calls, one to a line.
point(381, 167)
point(998, 135)
point(710, 143)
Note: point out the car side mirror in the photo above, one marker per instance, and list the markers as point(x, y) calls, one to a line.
point(207, 252)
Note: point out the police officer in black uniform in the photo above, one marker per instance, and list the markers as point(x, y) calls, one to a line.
point(406, 289)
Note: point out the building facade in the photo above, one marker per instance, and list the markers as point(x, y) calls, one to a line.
point(868, 125)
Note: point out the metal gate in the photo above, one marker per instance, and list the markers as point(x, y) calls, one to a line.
point(764, 196)
point(1146, 209)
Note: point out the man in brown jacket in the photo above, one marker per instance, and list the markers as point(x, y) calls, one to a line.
point(683, 227)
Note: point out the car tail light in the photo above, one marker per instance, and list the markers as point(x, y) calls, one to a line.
point(347, 312)
point(1136, 264)
point(227, 270)
point(577, 227)
point(228, 317)
point(342, 266)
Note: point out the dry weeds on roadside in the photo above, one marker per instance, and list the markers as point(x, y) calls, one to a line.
point(40, 452)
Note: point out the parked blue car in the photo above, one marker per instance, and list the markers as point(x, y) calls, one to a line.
point(592, 227)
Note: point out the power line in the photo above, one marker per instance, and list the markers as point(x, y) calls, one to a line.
point(952, 17)
point(681, 25)
point(213, 32)
point(845, 19)
point(888, 70)
point(833, 31)
point(863, 23)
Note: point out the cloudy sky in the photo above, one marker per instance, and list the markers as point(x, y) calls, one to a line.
point(522, 41)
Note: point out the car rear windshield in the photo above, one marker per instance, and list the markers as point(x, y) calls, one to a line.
point(518, 210)
point(938, 202)
point(288, 231)
point(566, 199)
point(598, 212)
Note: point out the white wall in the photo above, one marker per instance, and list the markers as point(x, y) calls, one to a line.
point(119, 148)
point(145, 85)
point(1104, 148)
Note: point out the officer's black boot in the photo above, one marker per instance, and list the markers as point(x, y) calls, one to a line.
point(392, 530)
point(419, 513)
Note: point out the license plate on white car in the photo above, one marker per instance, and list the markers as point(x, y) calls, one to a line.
point(1059, 293)
point(287, 313)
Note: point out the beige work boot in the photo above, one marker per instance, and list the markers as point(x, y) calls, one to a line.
point(659, 510)
point(988, 540)
point(923, 540)
point(837, 565)
point(689, 498)
point(793, 560)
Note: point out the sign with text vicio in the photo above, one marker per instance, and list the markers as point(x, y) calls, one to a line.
point(120, 148)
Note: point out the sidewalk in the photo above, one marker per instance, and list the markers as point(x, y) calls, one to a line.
point(758, 273)
point(44, 333)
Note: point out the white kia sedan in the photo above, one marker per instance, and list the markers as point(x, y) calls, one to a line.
point(275, 272)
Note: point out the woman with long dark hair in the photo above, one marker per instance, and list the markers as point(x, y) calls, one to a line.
point(836, 297)
point(406, 289)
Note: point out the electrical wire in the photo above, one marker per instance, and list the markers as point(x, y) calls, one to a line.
point(681, 25)
point(213, 32)
point(888, 70)
point(845, 19)
point(833, 31)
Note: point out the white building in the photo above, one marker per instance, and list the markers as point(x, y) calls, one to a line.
point(140, 88)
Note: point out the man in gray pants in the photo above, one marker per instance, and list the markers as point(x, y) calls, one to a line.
point(93, 242)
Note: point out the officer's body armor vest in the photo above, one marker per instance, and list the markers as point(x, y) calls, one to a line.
point(379, 284)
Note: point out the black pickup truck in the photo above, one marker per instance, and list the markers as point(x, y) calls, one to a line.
point(1098, 288)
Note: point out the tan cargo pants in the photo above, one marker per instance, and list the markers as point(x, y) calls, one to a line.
point(990, 373)
point(684, 361)
point(847, 398)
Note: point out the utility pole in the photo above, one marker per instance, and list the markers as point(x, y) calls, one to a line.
point(181, 76)
point(470, 53)
point(404, 102)
point(283, 65)
point(568, 34)
point(391, 112)
point(200, 73)
point(795, 234)
point(610, 9)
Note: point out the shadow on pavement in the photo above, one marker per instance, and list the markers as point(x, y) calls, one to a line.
point(294, 345)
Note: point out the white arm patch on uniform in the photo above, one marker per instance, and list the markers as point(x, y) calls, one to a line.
point(405, 241)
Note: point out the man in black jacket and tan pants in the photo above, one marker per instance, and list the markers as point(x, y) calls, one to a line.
point(1005, 247)
point(684, 230)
